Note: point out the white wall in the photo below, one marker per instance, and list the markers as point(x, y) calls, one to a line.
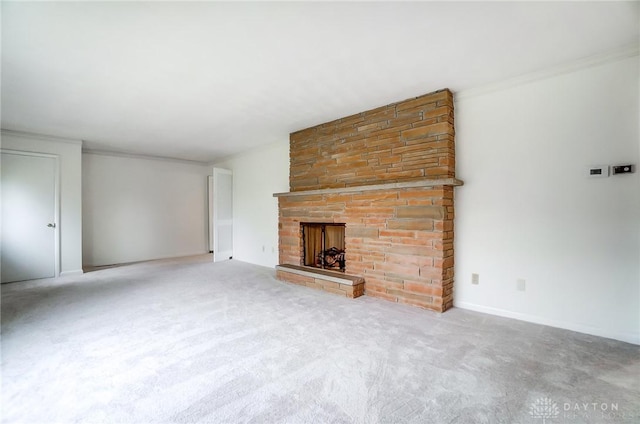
point(527, 209)
point(69, 154)
point(137, 208)
point(256, 176)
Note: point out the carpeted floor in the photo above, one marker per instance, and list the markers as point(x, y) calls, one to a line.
point(191, 341)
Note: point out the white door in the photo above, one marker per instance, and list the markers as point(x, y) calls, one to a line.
point(28, 217)
point(222, 214)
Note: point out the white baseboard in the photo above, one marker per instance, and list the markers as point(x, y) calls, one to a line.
point(628, 337)
point(132, 261)
point(71, 273)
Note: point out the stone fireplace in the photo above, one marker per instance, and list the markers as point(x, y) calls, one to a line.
point(384, 178)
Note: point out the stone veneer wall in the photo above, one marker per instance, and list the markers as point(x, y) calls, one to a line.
point(403, 141)
point(399, 237)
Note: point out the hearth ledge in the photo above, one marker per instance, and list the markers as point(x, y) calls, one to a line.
point(389, 186)
point(348, 280)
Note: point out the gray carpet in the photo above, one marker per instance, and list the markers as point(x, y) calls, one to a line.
point(191, 341)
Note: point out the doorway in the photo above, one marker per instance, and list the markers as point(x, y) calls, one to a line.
point(222, 214)
point(29, 216)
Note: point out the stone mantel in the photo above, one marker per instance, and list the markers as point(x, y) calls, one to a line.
point(431, 182)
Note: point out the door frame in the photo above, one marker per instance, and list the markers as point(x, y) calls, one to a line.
point(210, 228)
point(56, 201)
point(215, 219)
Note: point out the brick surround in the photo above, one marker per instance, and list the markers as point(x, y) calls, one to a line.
point(388, 175)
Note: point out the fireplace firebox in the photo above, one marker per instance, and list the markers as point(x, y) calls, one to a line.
point(323, 246)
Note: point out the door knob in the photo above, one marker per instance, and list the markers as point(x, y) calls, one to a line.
point(51, 225)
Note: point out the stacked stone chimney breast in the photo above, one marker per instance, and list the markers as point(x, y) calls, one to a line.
point(388, 174)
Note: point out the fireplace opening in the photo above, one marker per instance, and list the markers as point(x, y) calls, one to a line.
point(323, 246)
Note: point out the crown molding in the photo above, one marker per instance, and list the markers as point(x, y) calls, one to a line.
point(42, 137)
point(141, 156)
point(568, 67)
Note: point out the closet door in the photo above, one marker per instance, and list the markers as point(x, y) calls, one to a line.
point(28, 216)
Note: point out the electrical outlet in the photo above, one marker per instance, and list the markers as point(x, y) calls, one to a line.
point(475, 279)
point(263, 248)
point(521, 284)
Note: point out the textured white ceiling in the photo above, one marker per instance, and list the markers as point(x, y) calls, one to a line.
point(205, 80)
